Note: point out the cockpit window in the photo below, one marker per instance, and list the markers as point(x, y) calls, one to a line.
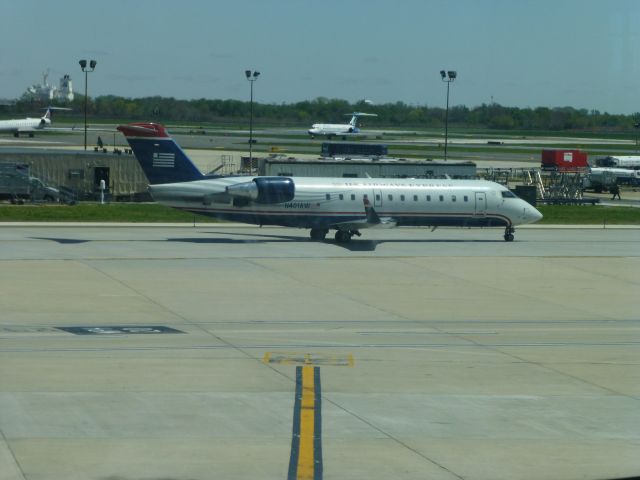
point(508, 194)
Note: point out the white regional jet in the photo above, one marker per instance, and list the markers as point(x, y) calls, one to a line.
point(331, 129)
point(28, 125)
point(346, 205)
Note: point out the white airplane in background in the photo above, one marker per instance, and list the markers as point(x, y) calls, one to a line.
point(332, 129)
point(346, 205)
point(28, 125)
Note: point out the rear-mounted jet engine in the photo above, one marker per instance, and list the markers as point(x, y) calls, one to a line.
point(263, 190)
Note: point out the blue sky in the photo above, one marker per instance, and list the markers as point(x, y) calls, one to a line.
point(580, 53)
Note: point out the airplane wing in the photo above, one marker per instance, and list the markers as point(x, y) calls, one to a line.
point(352, 225)
point(371, 219)
point(386, 222)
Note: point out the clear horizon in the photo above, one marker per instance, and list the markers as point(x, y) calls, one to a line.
point(526, 54)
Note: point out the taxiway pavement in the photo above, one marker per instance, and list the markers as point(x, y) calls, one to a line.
point(171, 352)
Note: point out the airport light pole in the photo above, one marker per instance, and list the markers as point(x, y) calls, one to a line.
point(252, 77)
point(91, 68)
point(448, 77)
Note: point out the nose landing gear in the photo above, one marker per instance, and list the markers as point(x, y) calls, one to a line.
point(508, 234)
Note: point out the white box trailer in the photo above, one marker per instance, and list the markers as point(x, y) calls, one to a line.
point(619, 161)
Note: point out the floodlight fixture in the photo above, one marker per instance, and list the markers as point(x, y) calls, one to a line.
point(92, 67)
point(451, 74)
point(252, 76)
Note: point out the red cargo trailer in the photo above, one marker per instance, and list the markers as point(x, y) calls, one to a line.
point(564, 160)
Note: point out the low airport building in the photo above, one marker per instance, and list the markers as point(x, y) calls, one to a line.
point(364, 167)
point(82, 171)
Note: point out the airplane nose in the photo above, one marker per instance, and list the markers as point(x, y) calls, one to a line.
point(539, 215)
point(534, 214)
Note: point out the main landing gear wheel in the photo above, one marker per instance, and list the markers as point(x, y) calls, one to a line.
point(318, 234)
point(508, 234)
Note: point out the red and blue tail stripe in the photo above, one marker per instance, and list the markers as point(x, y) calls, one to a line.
point(161, 158)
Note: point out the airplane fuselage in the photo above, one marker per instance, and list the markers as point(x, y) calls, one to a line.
point(22, 126)
point(330, 129)
point(323, 203)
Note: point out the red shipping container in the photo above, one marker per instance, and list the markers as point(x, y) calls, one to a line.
point(564, 160)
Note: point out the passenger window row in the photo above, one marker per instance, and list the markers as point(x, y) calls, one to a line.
point(454, 198)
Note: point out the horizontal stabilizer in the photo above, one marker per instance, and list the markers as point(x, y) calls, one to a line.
point(130, 130)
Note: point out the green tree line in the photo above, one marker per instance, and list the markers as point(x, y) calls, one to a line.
point(325, 110)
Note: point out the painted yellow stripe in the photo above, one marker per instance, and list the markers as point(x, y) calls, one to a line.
point(350, 361)
point(317, 359)
point(307, 415)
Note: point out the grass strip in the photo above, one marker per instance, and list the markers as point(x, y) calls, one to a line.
point(154, 213)
point(95, 212)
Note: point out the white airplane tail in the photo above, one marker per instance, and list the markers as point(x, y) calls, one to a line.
point(46, 118)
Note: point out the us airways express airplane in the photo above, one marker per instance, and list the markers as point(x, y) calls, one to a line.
point(346, 205)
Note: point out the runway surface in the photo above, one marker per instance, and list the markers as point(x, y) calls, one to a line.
point(239, 352)
point(483, 150)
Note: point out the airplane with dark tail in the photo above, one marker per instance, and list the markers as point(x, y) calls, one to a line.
point(346, 205)
point(344, 129)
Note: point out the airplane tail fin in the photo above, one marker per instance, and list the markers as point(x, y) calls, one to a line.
point(356, 115)
point(46, 118)
point(161, 158)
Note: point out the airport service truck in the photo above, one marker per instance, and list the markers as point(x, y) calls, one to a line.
point(631, 162)
point(564, 160)
point(601, 179)
point(17, 185)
